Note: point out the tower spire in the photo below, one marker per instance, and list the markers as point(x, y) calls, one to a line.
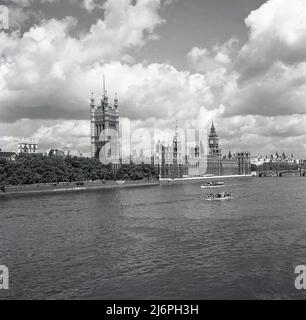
point(212, 130)
point(103, 85)
point(92, 100)
point(116, 104)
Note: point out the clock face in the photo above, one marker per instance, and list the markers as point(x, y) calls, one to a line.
point(211, 141)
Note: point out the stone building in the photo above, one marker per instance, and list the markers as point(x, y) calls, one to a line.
point(104, 124)
point(169, 160)
point(231, 164)
point(28, 146)
point(7, 156)
point(172, 162)
point(244, 163)
point(214, 165)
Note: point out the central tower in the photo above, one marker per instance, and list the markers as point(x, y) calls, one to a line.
point(104, 120)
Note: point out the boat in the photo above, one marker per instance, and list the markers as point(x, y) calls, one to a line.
point(219, 196)
point(212, 184)
point(120, 181)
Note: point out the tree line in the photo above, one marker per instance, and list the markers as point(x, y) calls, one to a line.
point(31, 169)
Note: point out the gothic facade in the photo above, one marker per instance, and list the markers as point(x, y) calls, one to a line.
point(170, 160)
point(231, 164)
point(104, 127)
point(214, 165)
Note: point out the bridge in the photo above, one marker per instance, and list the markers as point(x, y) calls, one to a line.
point(282, 173)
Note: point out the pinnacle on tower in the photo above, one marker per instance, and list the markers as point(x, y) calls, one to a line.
point(213, 132)
point(176, 126)
point(103, 86)
point(116, 104)
point(92, 100)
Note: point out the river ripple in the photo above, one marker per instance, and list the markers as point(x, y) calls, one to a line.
point(157, 242)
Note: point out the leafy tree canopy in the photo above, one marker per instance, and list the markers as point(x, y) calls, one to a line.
point(30, 169)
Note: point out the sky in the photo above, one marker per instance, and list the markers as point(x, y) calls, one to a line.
point(239, 63)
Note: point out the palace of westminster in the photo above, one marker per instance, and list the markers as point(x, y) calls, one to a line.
point(175, 159)
point(170, 159)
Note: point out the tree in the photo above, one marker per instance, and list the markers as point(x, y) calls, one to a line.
point(29, 169)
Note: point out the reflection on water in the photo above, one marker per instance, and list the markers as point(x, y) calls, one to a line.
point(157, 242)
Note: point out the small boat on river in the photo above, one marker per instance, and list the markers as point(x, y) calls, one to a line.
point(219, 196)
point(212, 184)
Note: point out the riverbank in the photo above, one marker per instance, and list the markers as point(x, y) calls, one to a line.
point(73, 187)
point(165, 181)
point(91, 186)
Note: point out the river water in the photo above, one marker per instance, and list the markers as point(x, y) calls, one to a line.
point(157, 242)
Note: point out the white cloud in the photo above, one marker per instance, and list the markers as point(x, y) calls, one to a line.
point(89, 5)
point(27, 3)
point(277, 32)
point(40, 70)
point(263, 83)
point(255, 94)
point(267, 76)
point(203, 59)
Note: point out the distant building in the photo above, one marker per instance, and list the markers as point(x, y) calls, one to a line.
point(214, 165)
point(258, 161)
point(138, 158)
point(169, 159)
point(104, 120)
point(244, 163)
point(195, 158)
point(27, 146)
point(65, 152)
point(8, 156)
point(276, 158)
point(173, 163)
point(299, 162)
point(231, 164)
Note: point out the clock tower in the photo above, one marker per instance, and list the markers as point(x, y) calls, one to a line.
point(213, 142)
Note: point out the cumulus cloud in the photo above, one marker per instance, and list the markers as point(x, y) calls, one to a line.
point(203, 59)
point(262, 85)
point(41, 70)
point(28, 3)
point(89, 5)
point(269, 69)
point(255, 94)
point(280, 91)
point(277, 33)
